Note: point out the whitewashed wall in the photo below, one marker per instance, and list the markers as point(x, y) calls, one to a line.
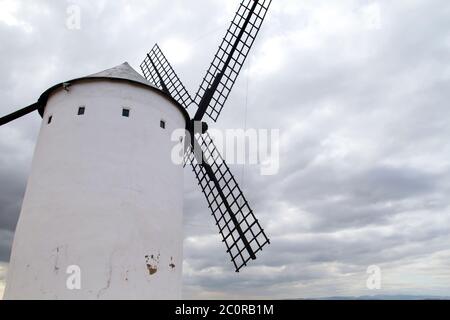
point(104, 195)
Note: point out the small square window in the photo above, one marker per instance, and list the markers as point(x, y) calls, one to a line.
point(50, 119)
point(162, 124)
point(126, 113)
point(81, 110)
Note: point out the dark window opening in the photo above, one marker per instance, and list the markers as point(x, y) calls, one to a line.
point(162, 124)
point(126, 113)
point(50, 119)
point(81, 110)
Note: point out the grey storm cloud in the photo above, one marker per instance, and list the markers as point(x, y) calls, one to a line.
point(359, 91)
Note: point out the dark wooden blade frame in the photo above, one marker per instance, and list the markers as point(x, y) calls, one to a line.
point(230, 57)
point(157, 70)
point(240, 230)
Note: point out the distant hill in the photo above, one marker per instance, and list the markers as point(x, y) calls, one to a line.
point(384, 297)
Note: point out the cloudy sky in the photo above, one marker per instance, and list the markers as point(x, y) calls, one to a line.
point(359, 90)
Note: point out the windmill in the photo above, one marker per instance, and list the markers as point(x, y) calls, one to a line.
point(240, 230)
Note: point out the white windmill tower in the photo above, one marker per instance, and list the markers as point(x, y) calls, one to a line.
point(104, 199)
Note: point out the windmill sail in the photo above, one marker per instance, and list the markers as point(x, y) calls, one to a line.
point(17, 114)
point(240, 230)
point(157, 69)
point(230, 57)
point(238, 226)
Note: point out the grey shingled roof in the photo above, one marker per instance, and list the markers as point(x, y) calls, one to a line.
point(123, 71)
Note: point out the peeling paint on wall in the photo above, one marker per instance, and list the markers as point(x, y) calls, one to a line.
point(56, 266)
point(109, 279)
point(152, 263)
point(152, 269)
point(171, 265)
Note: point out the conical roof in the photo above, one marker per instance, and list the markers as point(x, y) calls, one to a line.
point(123, 71)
